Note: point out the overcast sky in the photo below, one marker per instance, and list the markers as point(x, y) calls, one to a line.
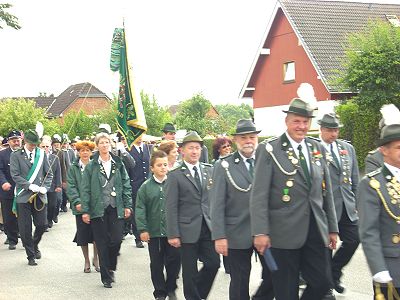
point(176, 48)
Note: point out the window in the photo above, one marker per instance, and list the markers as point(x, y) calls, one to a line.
point(289, 73)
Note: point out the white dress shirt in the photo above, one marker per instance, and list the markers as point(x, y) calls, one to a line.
point(395, 171)
point(197, 165)
point(304, 148)
point(245, 160)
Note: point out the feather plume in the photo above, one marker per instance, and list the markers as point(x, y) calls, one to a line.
point(390, 114)
point(39, 129)
point(306, 93)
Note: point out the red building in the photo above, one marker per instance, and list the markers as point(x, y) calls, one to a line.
point(303, 42)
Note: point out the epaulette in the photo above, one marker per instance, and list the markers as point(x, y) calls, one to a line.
point(270, 139)
point(373, 173)
point(206, 164)
point(226, 156)
point(176, 168)
point(314, 138)
point(346, 141)
point(373, 151)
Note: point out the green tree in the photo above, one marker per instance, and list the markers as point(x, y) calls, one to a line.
point(372, 70)
point(23, 114)
point(9, 19)
point(229, 114)
point(78, 124)
point(192, 115)
point(372, 65)
point(156, 116)
point(107, 115)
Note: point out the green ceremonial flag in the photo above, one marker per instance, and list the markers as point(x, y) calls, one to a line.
point(131, 121)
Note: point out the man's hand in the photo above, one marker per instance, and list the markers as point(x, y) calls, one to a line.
point(58, 189)
point(86, 218)
point(332, 240)
point(78, 207)
point(128, 213)
point(145, 237)
point(221, 246)
point(382, 277)
point(262, 242)
point(175, 242)
point(6, 186)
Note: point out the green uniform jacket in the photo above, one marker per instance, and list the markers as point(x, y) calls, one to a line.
point(74, 186)
point(91, 193)
point(150, 208)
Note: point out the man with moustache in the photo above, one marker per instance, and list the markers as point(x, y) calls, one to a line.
point(378, 199)
point(188, 219)
point(230, 211)
point(31, 172)
point(291, 207)
point(7, 189)
point(343, 169)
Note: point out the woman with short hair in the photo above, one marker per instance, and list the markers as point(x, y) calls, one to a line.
point(171, 148)
point(84, 234)
point(106, 201)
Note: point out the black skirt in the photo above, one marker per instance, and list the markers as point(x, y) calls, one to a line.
point(84, 234)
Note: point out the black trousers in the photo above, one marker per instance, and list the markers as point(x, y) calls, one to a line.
point(64, 198)
point(197, 284)
point(107, 232)
point(312, 260)
point(130, 223)
point(27, 212)
point(240, 265)
point(348, 233)
point(163, 255)
point(51, 206)
point(10, 221)
point(266, 290)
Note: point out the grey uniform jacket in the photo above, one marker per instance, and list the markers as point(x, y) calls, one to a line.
point(185, 205)
point(19, 168)
point(344, 179)
point(55, 167)
point(373, 161)
point(230, 212)
point(377, 227)
point(287, 223)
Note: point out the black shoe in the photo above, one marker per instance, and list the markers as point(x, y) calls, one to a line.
point(50, 224)
point(139, 244)
point(38, 254)
point(55, 219)
point(64, 209)
point(32, 262)
point(7, 241)
point(160, 298)
point(329, 295)
point(12, 246)
point(172, 296)
point(339, 287)
point(107, 285)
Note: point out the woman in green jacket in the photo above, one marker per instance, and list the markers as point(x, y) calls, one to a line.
point(106, 201)
point(84, 234)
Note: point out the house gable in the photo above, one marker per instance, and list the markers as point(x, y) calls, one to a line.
point(268, 76)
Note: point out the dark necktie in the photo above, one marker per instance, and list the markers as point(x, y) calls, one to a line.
point(30, 157)
point(140, 152)
point(250, 161)
point(304, 166)
point(335, 157)
point(197, 178)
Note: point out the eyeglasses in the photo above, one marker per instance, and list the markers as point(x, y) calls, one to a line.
point(45, 146)
point(226, 146)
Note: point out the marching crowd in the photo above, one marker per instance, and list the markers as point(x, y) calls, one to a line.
point(287, 200)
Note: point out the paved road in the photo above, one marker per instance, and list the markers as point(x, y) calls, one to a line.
point(59, 274)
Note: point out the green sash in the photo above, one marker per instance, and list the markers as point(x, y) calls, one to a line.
point(38, 158)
